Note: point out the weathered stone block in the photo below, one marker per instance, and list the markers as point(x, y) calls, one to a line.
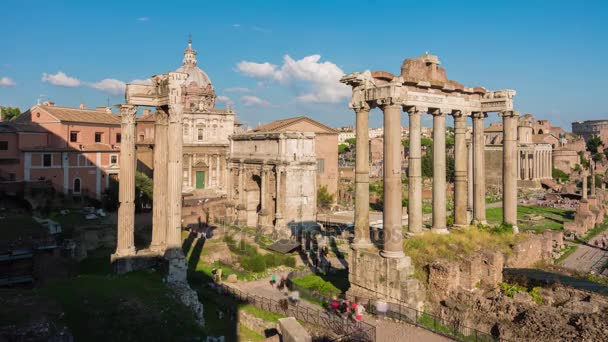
point(292, 331)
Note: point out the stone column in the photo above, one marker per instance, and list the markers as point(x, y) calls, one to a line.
point(159, 210)
point(414, 206)
point(460, 170)
point(509, 168)
point(362, 238)
point(584, 174)
point(479, 176)
point(279, 224)
point(470, 178)
point(592, 168)
point(439, 173)
point(217, 170)
point(263, 188)
point(210, 174)
point(175, 165)
point(125, 244)
point(393, 231)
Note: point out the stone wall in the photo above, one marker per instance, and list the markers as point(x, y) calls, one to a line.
point(536, 248)
point(255, 324)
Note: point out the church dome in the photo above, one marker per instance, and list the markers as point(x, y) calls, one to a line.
point(200, 94)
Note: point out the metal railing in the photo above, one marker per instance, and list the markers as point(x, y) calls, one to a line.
point(406, 314)
point(359, 331)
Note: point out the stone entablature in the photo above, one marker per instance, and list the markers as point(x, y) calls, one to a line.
point(285, 146)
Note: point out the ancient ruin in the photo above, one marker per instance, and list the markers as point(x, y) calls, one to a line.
point(421, 87)
point(169, 93)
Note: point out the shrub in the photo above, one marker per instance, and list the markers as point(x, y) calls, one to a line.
point(536, 296)
point(510, 290)
point(560, 175)
point(324, 198)
point(289, 261)
point(254, 263)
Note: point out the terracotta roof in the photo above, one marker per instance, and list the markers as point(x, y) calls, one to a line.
point(494, 128)
point(540, 138)
point(80, 115)
point(146, 118)
point(15, 127)
point(281, 124)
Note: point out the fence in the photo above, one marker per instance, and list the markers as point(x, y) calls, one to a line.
point(403, 313)
point(345, 329)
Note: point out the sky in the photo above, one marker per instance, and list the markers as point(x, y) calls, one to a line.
point(278, 59)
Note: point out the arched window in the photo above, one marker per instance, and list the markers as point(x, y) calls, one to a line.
point(76, 188)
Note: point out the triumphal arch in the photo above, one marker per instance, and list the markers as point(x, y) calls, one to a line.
point(421, 87)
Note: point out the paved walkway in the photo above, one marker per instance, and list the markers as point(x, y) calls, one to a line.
point(587, 258)
point(385, 330)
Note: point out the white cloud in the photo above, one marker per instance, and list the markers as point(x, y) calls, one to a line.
point(225, 99)
point(6, 82)
point(109, 85)
point(143, 19)
point(237, 90)
point(257, 70)
point(322, 78)
point(61, 79)
point(249, 100)
point(236, 25)
point(147, 81)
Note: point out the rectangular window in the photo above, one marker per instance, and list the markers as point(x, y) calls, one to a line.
point(3, 145)
point(200, 134)
point(47, 160)
point(320, 165)
point(118, 136)
point(98, 136)
point(113, 159)
point(73, 136)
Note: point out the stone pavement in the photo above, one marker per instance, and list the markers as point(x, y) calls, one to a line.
point(587, 258)
point(385, 330)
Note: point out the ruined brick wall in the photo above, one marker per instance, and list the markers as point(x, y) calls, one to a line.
point(538, 247)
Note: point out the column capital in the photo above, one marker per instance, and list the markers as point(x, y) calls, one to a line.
point(128, 113)
point(161, 116)
point(479, 115)
point(438, 111)
point(176, 114)
point(361, 106)
point(417, 109)
point(459, 114)
point(509, 114)
point(389, 102)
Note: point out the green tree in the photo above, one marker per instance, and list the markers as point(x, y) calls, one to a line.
point(342, 148)
point(427, 164)
point(351, 141)
point(449, 141)
point(324, 198)
point(9, 113)
point(594, 143)
point(143, 193)
point(405, 143)
point(426, 142)
point(560, 175)
point(598, 157)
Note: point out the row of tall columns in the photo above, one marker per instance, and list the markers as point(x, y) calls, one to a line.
point(536, 164)
point(468, 193)
point(125, 244)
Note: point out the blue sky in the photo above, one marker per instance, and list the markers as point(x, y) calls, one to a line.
point(552, 52)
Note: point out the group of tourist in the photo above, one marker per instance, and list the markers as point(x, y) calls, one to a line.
point(346, 309)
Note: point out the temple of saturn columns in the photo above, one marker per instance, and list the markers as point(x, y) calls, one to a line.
point(422, 87)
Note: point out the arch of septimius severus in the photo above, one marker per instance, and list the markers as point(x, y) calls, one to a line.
point(422, 87)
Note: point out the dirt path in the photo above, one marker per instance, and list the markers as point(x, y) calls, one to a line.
point(385, 330)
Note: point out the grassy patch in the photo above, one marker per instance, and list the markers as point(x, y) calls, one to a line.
point(13, 227)
point(552, 218)
point(600, 228)
point(457, 245)
point(567, 251)
point(137, 306)
point(263, 314)
point(247, 335)
point(317, 284)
